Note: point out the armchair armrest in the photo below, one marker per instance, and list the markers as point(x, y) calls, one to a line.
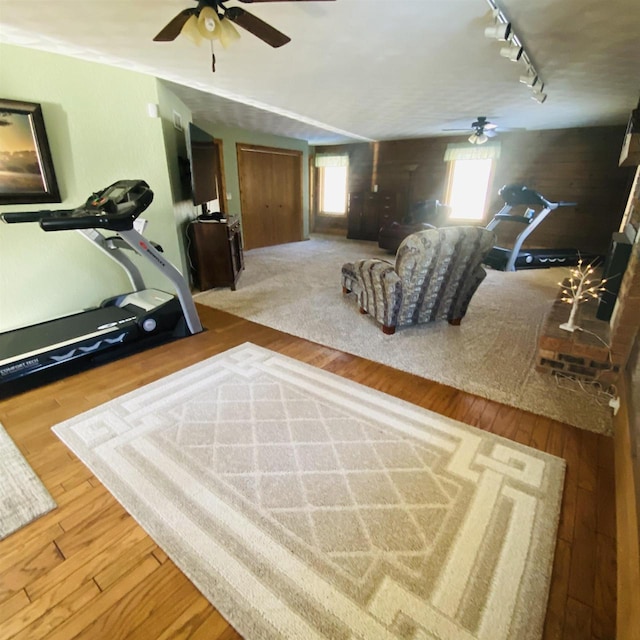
point(381, 290)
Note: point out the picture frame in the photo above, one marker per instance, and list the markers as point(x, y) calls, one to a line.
point(27, 174)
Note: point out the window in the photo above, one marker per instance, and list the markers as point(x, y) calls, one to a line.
point(470, 175)
point(332, 184)
point(468, 186)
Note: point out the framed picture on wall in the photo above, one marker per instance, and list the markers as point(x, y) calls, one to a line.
point(26, 169)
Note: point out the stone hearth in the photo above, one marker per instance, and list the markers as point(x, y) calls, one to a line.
point(581, 354)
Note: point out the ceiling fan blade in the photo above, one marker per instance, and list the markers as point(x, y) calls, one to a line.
point(490, 133)
point(252, 1)
point(172, 30)
point(257, 27)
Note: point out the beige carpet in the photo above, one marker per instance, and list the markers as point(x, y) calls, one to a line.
point(306, 506)
point(295, 288)
point(23, 498)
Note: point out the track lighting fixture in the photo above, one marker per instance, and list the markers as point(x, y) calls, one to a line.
point(499, 31)
point(538, 95)
point(502, 29)
point(529, 80)
point(513, 52)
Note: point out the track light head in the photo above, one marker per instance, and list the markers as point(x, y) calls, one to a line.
point(538, 95)
point(529, 80)
point(500, 31)
point(513, 52)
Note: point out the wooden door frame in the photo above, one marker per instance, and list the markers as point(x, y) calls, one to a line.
point(222, 198)
point(255, 148)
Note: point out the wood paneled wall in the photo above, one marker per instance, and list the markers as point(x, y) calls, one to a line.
point(578, 165)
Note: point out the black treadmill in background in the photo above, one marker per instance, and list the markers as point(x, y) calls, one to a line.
point(140, 318)
point(514, 258)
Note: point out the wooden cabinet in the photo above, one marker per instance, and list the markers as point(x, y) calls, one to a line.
point(367, 212)
point(215, 252)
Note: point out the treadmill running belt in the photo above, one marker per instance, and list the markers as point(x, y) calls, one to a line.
point(66, 331)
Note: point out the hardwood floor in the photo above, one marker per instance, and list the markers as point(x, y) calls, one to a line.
point(87, 570)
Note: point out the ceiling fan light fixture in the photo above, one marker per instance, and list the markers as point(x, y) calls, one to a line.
point(477, 138)
point(212, 20)
point(212, 27)
point(228, 33)
point(192, 31)
point(209, 23)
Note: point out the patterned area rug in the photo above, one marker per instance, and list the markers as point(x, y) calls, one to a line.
point(304, 505)
point(23, 498)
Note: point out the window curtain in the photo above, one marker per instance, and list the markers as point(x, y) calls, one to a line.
point(332, 160)
point(463, 151)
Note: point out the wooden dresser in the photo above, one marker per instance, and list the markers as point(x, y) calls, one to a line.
point(215, 252)
point(368, 211)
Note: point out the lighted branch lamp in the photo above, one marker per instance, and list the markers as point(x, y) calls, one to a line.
point(580, 289)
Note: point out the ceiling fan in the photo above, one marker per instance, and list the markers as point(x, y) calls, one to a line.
point(212, 20)
point(481, 130)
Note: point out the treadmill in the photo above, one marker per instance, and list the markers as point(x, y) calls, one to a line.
point(505, 259)
point(121, 324)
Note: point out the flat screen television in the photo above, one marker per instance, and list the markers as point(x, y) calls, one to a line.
point(205, 169)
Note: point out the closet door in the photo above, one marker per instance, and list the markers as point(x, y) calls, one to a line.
point(270, 195)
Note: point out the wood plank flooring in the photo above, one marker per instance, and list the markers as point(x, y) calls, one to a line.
point(87, 570)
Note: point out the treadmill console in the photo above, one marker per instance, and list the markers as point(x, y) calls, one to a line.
point(115, 208)
point(123, 192)
point(515, 194)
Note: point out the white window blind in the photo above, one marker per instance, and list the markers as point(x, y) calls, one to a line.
point(463, 151)
point(332, 160)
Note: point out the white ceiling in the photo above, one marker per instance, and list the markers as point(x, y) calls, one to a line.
point(360, 70)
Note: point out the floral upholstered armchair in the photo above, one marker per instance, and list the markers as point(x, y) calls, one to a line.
point(435, 275)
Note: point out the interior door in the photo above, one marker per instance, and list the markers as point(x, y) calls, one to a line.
point(270, 195)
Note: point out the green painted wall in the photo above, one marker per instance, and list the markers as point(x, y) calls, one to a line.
point(99, 131)
point(175, 146)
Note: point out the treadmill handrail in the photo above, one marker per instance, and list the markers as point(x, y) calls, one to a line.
point(519, 194)
point(17, 217)
point(144, 248)
point(78, 222)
